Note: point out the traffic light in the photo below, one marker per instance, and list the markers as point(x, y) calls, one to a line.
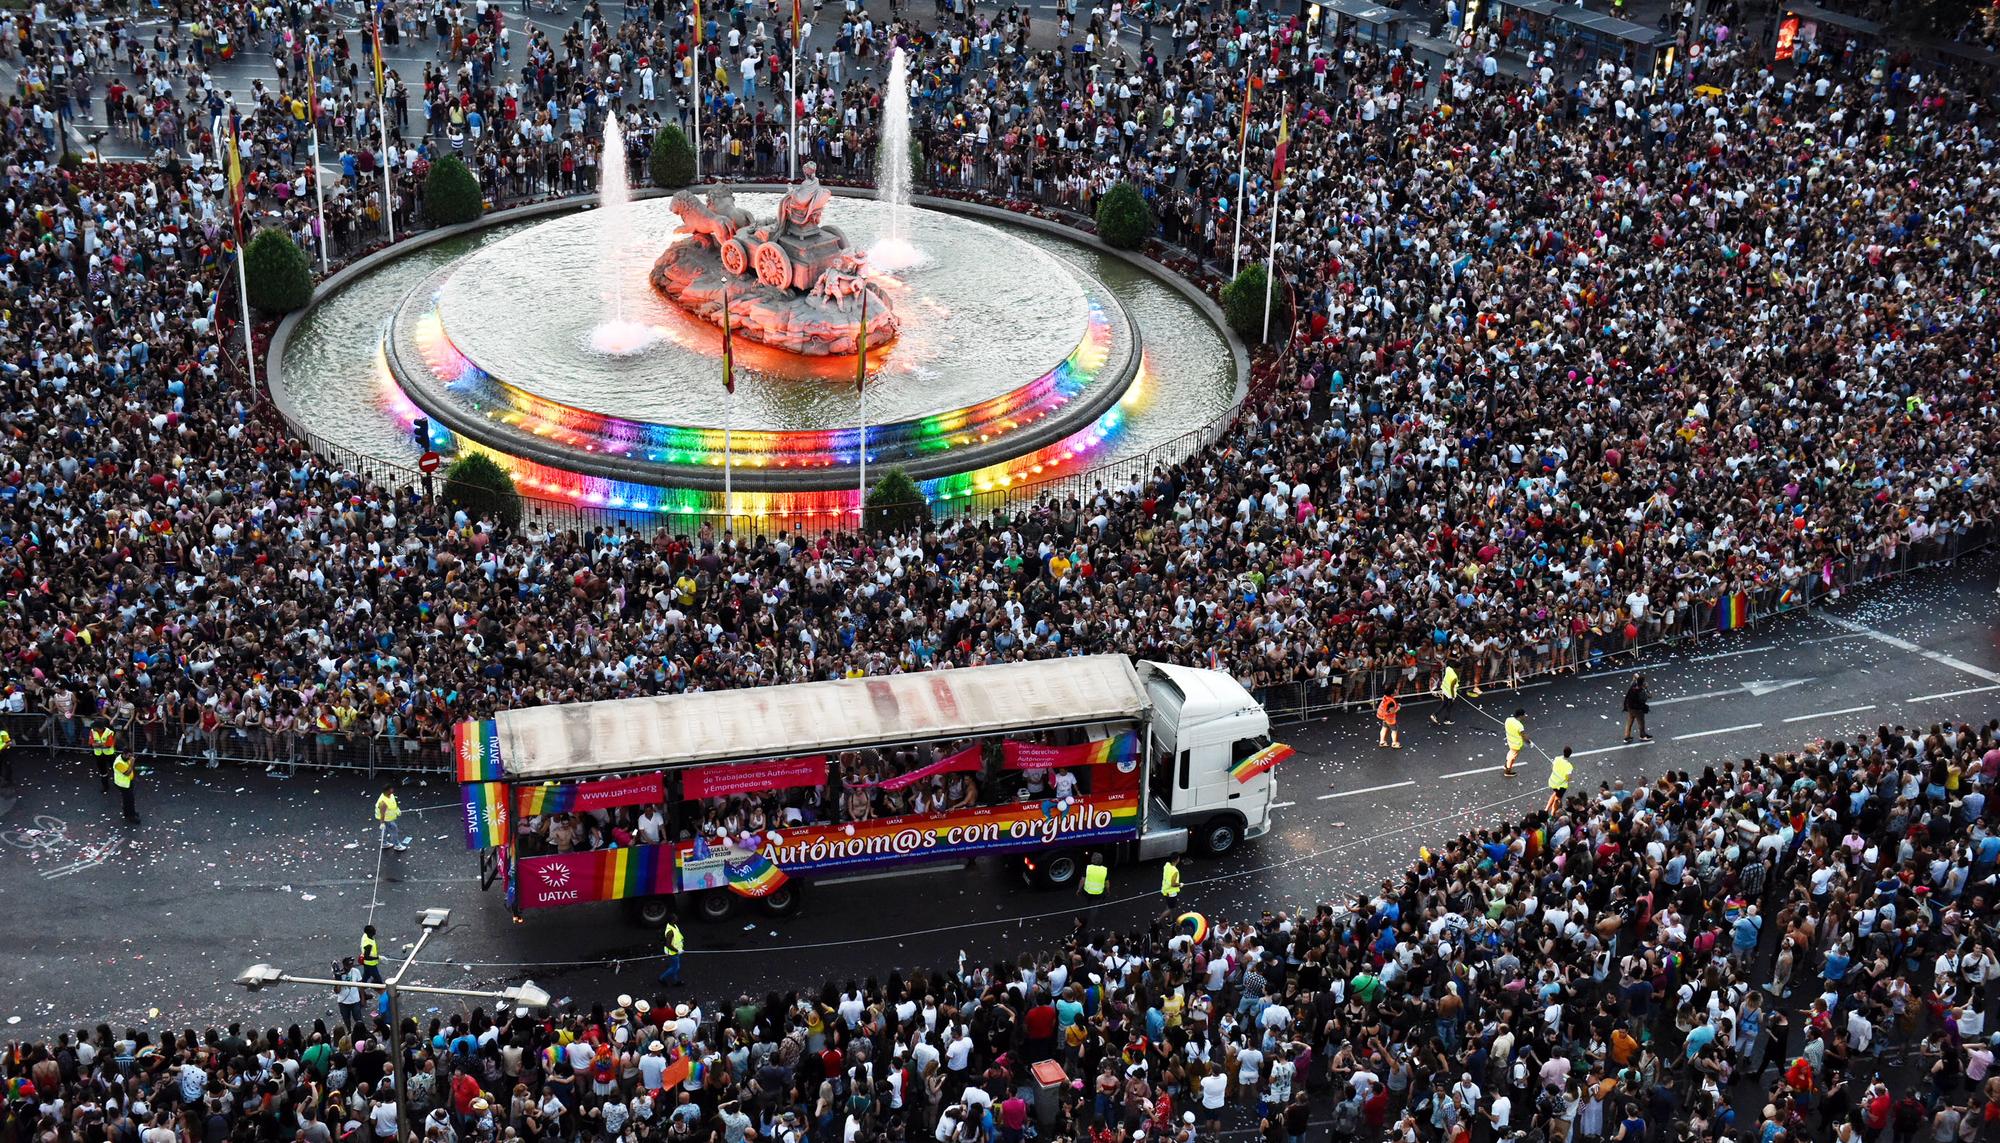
point(421, 430)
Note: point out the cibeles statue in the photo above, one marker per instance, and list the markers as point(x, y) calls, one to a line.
point(793, 283)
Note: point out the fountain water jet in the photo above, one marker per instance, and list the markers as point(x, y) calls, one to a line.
point(616, 335)
point(892, 174)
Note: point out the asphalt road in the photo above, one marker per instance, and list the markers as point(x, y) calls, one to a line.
point(230, 868)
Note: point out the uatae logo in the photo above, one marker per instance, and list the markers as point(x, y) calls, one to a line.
point(555, 875)
point(555, 884)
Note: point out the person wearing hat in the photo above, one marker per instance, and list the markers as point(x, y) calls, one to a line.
point(122, 774)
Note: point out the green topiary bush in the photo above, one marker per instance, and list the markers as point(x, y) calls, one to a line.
point(895, 504)
point(1243, 302)
point(477, 485)
point(672, 164)
point(1123, 219)
point(278, 273)
point(451, 193)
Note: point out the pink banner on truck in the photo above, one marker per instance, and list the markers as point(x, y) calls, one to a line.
point(575, 797)
point(754, 777)
point(965, 760)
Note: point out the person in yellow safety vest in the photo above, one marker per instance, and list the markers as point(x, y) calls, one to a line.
point(673, 945)
point(1096, 877)
point(1170, 880)
point(1517, 741)
point(122, 772)
point(386, 812)
point(7, 757)
point(103, 748)
point(1448, 691)
point(371, 955)
point(1560, 768)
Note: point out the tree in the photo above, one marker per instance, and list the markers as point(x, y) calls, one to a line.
point(278, 273)
point(895, 504)
point(1243, 301)
point(451, 193)
point(478, 486)
point(1123, 220)
point(672, 163)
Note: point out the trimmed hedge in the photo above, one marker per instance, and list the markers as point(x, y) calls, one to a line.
point(1123, 219)
point(672, 164)
point(278, 273)
point(451, 193)
point(1243, 302)
point(896, 504)
point(476, 485)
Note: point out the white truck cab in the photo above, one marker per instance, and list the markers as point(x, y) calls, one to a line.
point(1203, 723)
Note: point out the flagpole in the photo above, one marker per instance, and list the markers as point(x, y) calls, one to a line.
point(697, 107)
point(1242, 178)
point(242, 275)
point(319, 191)
point(1271, 261)
point(729, 422)
point(382, 123)
point(312, 123)
point(793, 99)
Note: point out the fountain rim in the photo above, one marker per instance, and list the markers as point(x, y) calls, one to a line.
point(283, 400)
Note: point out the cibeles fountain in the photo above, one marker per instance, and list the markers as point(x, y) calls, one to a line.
point(582, 348)
point(793, 284)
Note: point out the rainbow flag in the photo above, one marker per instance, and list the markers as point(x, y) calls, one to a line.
point(485, 814)
point(547, 800)
point(1262, 762)
point(1733, 612)
point(476, 750)
point(1118, 749)
point(754, 876)
point(641, 871)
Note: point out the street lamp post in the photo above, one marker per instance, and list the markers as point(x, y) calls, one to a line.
point(526, 995)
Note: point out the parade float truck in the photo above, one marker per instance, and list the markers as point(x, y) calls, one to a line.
point(655, 801)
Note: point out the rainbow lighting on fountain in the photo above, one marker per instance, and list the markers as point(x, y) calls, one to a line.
point(582, 349)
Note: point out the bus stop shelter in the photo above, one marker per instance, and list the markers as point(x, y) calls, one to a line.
point(1366, 22)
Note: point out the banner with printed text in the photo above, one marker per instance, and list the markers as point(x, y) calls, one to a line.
point(754, 777)
point(485, 814)
point(595, 875)
point(576, 797)
point(1014, 827)
point(965, 761)
point(476, 750)
point(1121, 749)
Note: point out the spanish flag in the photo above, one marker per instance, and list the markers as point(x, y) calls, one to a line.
point(312, 90)
point(235, 163)
point(378, 45)
point(697, 25)
point(1284, 140)
point(1243, 131)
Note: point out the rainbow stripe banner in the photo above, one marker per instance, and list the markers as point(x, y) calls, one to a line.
point(1121, 749)
point(1734, 612)
point(573, 797)
point(485, 814)
point(1262, 762)
point(476, 751)
point(754, 876)
point(598, 875)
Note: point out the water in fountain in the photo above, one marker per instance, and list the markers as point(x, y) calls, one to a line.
point(892, 175)
point(616, 334)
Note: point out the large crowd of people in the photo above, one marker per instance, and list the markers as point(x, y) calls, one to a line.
point(1575, 353)
point(1789, 947)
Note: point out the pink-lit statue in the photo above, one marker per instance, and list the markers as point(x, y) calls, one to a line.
point(792, 283)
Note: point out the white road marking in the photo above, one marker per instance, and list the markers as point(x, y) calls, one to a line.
point(1366, 790)
point(1282, 805)
point(1755, 688)
point(951, 867)
point(1612, 749)
point(1954, 694)
point(1831, 713)
point(1730, 654)
point(1717, 730)
point(1469, 773)
point(1902, 644)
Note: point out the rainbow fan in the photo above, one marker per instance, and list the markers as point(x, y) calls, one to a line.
point(1197, 925)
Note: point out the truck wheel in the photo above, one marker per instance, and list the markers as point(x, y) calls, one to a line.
point(1220, 836)
point(715, 905)
point(654, 910)
point(785, 900)
point(1059, 871)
